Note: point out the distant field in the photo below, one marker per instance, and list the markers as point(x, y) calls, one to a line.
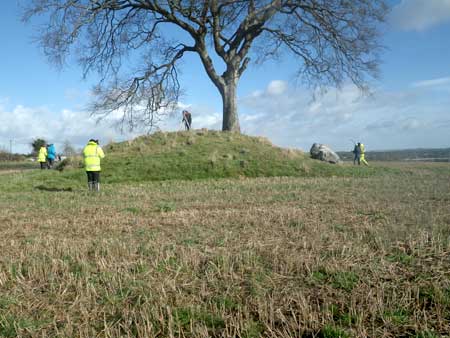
point(262, 257)
point(17, 165)
point(406, 155)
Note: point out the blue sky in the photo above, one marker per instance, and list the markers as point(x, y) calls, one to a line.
point(409, 105)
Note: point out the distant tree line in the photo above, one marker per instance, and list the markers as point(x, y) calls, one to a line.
point(7, 156)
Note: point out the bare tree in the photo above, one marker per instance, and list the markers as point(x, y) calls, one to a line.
point(332, 40)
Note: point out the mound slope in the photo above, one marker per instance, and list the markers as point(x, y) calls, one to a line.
point(198, 154)
point(201, 154)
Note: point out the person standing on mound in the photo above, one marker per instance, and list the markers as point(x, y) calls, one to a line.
point(187, 119)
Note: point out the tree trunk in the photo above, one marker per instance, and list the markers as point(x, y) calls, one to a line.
point(230, 120)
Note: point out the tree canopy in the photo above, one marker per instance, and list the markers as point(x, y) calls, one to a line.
point(36, 144)
point(332, 40)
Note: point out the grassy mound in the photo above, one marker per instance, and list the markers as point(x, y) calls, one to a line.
point(201, 154)
point(198, 154)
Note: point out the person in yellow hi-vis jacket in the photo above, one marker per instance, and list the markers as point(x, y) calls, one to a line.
point(92, 154)
point(362, 158)
point(42, 156)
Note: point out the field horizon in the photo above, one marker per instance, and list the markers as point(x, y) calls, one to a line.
point(392, 154)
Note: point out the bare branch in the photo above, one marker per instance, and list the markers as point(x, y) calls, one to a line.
point(144, 99)
point(131, 45)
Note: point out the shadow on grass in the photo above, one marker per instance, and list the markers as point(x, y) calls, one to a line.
point(44, 188)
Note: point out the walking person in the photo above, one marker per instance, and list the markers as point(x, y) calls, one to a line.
point(42, 156)
point(51, 155)
point(187, 119)
point(362, 158)
point(356, 154)
point(93, 154)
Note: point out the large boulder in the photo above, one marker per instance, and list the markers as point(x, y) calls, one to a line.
point(324, 153)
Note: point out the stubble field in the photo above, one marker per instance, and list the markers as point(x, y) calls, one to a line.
point(263, 257)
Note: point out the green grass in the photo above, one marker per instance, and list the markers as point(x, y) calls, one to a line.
point(195, 155)
point(332, 332)
point(204, 154)
point(346, 255)
point(18, 165)
point(397, 316)
point(345, 280)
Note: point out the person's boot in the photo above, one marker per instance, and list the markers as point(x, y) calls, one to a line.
point(97, 186)
point(91, 186)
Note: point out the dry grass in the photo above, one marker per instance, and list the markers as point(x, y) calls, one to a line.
point(278, 257)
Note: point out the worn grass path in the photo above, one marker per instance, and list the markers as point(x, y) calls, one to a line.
point(264, 257)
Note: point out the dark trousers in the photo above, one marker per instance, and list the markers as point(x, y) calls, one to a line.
point(187, 122)
point(50, 162)
point(43, 165)
point(93, 176)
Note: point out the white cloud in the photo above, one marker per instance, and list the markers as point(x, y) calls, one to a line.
point(202, 117)
point(383, 120)
point(22, 124)
point(412, 123)
point(440, 82)
point(294, 119)
point(276, 87)
point(420, 15)
point(401, 124)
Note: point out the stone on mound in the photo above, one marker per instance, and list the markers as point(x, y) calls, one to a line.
point(324, 153)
